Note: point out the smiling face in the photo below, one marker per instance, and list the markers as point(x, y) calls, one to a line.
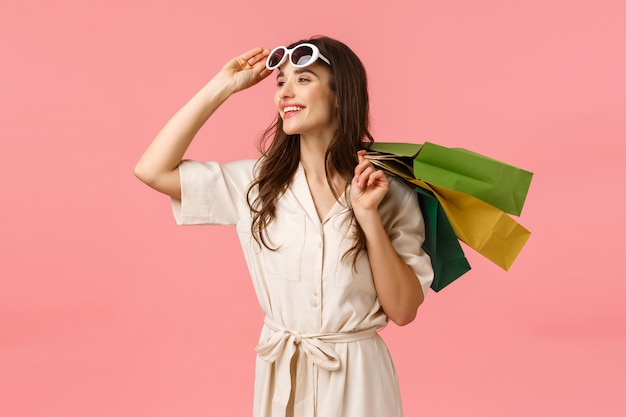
point(305, 101)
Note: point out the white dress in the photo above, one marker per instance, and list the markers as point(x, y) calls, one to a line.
point(319, 353)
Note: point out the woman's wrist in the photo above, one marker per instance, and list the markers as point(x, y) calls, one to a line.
point(369, 220)
point(220, 87)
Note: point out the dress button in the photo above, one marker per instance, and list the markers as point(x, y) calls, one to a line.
point(314, 304)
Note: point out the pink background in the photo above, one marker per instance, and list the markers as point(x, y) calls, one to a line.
point(107, 308)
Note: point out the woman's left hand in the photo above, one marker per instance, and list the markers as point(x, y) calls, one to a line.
point(369, 187)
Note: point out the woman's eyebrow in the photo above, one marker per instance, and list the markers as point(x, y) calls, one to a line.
point(305, 70)
point(299, 71)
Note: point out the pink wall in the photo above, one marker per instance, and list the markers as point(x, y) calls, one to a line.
point(109, 309)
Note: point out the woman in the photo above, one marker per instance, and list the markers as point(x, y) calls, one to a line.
point(333, 245)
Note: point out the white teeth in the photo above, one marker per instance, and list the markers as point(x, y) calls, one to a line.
point(292, 108)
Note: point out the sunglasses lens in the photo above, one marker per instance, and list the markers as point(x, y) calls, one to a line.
point(302, 56)
point(276, 57)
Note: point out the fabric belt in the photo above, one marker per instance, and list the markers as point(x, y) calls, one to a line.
point(280, 347)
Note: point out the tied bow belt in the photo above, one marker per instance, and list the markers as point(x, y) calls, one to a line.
point(282, 344)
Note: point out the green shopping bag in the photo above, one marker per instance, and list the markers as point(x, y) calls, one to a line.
point(497, 183)
point(441, 244)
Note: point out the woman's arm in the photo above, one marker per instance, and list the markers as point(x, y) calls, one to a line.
point(158, 166)
point(399, 291)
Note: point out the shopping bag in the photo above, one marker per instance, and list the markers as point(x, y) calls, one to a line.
point(440, 243)
point(483, 227)
point(497, 183)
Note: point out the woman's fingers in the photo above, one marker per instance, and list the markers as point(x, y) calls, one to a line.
point(363, 178)
point(252, 59)
point(363, 170)
point(369, 186)
point(247, 69)
point(253, 53)
point(376, 177)
point(255, 58)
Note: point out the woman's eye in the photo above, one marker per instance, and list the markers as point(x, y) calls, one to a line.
point(303, 80)
point(280, 83)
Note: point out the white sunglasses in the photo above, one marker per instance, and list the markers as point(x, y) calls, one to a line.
point(300, 56)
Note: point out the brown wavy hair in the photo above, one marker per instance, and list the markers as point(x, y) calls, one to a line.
point(280, 153)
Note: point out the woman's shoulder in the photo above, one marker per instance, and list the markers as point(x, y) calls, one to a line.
point(241, 165)
point(241, 170)
point(238, 171)
point(399, 189)
point(400, 197)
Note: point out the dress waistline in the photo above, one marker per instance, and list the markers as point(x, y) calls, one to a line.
point(280, 347)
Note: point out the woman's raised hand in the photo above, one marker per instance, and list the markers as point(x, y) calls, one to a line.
point(246, 70)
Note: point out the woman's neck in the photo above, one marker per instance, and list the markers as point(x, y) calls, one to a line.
point(313, 160)
point(313, 157)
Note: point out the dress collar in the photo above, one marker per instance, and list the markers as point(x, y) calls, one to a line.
point(299, 187)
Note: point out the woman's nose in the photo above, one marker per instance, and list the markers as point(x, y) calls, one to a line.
point(286, 90)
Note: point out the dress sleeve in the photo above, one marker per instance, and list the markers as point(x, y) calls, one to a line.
point(404, 222)
point(212, 193)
